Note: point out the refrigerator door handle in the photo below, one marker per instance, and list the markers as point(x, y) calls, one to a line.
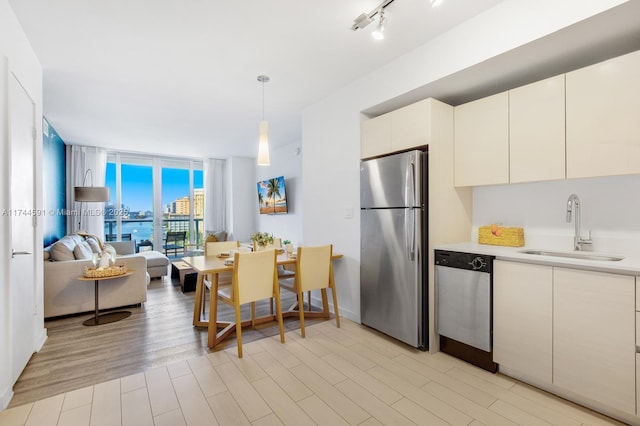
point(410, 183)
point(410, 232)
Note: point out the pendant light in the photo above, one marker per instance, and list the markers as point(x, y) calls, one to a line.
point(263, 145)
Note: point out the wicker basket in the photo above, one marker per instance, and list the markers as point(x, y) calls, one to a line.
point(499, 236)
point(111, 271)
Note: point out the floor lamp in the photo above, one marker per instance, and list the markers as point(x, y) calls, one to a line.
point(89, 194)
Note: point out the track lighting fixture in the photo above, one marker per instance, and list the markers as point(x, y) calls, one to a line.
point(365, 19)
point(378, 33)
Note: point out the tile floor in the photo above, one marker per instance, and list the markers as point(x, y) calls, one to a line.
point(350, 375)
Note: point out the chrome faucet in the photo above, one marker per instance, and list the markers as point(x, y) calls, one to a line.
point(573, 203)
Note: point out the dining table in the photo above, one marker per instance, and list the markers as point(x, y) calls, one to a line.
point(214, 266)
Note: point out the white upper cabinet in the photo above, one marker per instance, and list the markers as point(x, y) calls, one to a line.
point(410, 126)
point(537, 131)
point(482, 141)
point(404, 128)
point(375, 136)
point(603, 118)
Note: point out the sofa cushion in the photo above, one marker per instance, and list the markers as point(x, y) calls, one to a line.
point(154, 258)
point(63, 249)
point(82, 251)
point(215, 236)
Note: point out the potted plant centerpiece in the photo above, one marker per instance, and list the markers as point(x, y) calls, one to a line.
point(261, 239)
point(288, 247)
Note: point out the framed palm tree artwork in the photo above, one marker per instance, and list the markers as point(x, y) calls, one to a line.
point(272, 198)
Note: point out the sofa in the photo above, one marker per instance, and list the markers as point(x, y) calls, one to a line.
point(64, 294)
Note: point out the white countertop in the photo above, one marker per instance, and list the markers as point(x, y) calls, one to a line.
point(630, 265)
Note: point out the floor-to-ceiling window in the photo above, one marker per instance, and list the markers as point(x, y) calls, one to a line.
point(183, 199)
point(151, 196)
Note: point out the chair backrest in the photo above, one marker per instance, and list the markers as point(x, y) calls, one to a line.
point(254, 275)
point(277, 243)
point(313, 266)
point(176, 236)
point(217, 247)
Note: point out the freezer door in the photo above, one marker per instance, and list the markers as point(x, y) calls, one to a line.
point(392, 181)
point(390, 278)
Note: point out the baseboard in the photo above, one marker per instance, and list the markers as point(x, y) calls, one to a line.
point(344, 313)
point(41, 339)
point(5, 398)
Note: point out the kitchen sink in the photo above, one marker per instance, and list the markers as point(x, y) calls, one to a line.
point(574, 255)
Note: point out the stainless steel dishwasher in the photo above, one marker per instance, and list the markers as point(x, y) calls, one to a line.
point(464, 306)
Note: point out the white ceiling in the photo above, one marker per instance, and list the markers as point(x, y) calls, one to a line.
point(179, 77)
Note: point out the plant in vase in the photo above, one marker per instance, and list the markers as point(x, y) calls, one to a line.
point(261, 239)
point(288, 247)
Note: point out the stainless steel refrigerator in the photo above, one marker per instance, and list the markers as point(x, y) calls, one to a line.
point(393, 241)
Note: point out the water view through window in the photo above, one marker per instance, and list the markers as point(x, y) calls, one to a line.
point(134, 217)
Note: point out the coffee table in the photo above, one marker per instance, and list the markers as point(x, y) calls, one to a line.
point(182, 270)
point(108, 317)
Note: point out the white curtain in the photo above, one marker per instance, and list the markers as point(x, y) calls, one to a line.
point(87, 166)
point(214, 195)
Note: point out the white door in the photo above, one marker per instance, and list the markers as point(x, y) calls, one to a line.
point(22, 279)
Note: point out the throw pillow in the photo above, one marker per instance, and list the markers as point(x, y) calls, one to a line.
point(82, 251)
point(63, 249)
point(211, 238)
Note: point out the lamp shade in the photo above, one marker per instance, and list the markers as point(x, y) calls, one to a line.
point(91, 193)
point(263, 146)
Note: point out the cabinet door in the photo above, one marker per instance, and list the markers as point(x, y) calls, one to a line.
point(410, 126)
point(594, 336)
point(482, 141)
point(536, 131)
point(375, 136)
point(603, 130)
point(522, 319)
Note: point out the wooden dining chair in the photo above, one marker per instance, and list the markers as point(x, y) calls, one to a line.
point(283, 273)
point(214, 249)
point(314, 271)
point(254, 279)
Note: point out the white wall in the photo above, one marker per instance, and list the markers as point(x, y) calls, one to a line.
point(285, 161)
point(331, 127)
point(609, 208)
point(23, 63)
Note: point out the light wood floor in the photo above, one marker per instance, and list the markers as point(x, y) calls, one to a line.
point(156, 334)
point(350, 375)
point(156, 370)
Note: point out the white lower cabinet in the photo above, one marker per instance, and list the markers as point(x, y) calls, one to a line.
point(594, 336)
point(568, 330)
point(522, 319)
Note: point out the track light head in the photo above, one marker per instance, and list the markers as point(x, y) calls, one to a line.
point(361, 21)
point(378, 33)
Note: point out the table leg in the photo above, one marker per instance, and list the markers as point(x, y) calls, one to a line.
point(198, 304)
point(104, 318)
point(96, 292)
point(212, 328)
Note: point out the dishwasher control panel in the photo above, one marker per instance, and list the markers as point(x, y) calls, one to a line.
point(460, 260)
